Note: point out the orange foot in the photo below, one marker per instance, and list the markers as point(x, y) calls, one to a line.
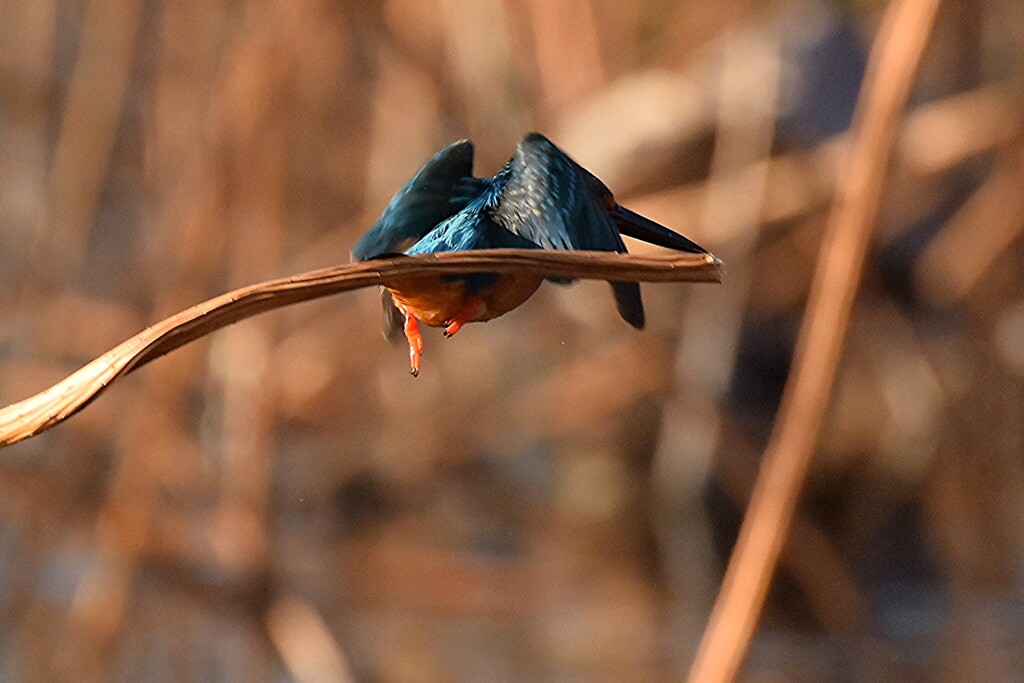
point(412, 333)
point(469, 311)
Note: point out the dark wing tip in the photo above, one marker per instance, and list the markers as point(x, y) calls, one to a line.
point(534, 136)
point(460, 150)
point(451, 162)
point(534, 139)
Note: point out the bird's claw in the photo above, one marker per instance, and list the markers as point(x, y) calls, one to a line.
point(470, 311)
point(452, 328)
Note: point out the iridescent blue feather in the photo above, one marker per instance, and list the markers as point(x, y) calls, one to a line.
point(540, 199)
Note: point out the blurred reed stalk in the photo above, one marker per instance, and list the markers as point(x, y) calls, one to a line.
point(894, 61)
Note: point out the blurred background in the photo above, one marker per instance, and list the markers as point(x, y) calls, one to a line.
point(555, 497)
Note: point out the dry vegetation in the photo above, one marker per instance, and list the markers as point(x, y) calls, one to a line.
point(556, 496)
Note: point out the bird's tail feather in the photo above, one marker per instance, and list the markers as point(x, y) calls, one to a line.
point(629, 303)
point(392, 320)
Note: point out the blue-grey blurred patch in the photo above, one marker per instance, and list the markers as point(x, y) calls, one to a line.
point(823, 63)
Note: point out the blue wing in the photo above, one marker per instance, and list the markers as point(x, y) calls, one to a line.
point(540, 199)
point(550, 200)
point(442, 188)
point(546, 198)
point(472, 228)
point(561, 205)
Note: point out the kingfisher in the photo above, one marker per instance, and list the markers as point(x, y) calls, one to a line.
point(540, 199)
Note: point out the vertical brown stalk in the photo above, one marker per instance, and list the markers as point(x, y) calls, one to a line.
point(894, 60)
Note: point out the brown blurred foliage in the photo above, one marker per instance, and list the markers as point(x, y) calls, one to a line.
point(554, 497)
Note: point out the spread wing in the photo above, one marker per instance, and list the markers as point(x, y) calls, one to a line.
point(439, 190)
point(549, 199)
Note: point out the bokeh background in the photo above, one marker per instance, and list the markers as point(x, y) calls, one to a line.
point(554, 498)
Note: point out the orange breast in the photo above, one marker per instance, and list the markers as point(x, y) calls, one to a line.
point(432, 299)
point(436, 301)
point(509, 292)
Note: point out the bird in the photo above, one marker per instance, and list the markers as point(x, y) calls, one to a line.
point(540, 199)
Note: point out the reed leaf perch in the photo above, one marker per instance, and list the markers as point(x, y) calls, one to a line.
point(37, 413)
